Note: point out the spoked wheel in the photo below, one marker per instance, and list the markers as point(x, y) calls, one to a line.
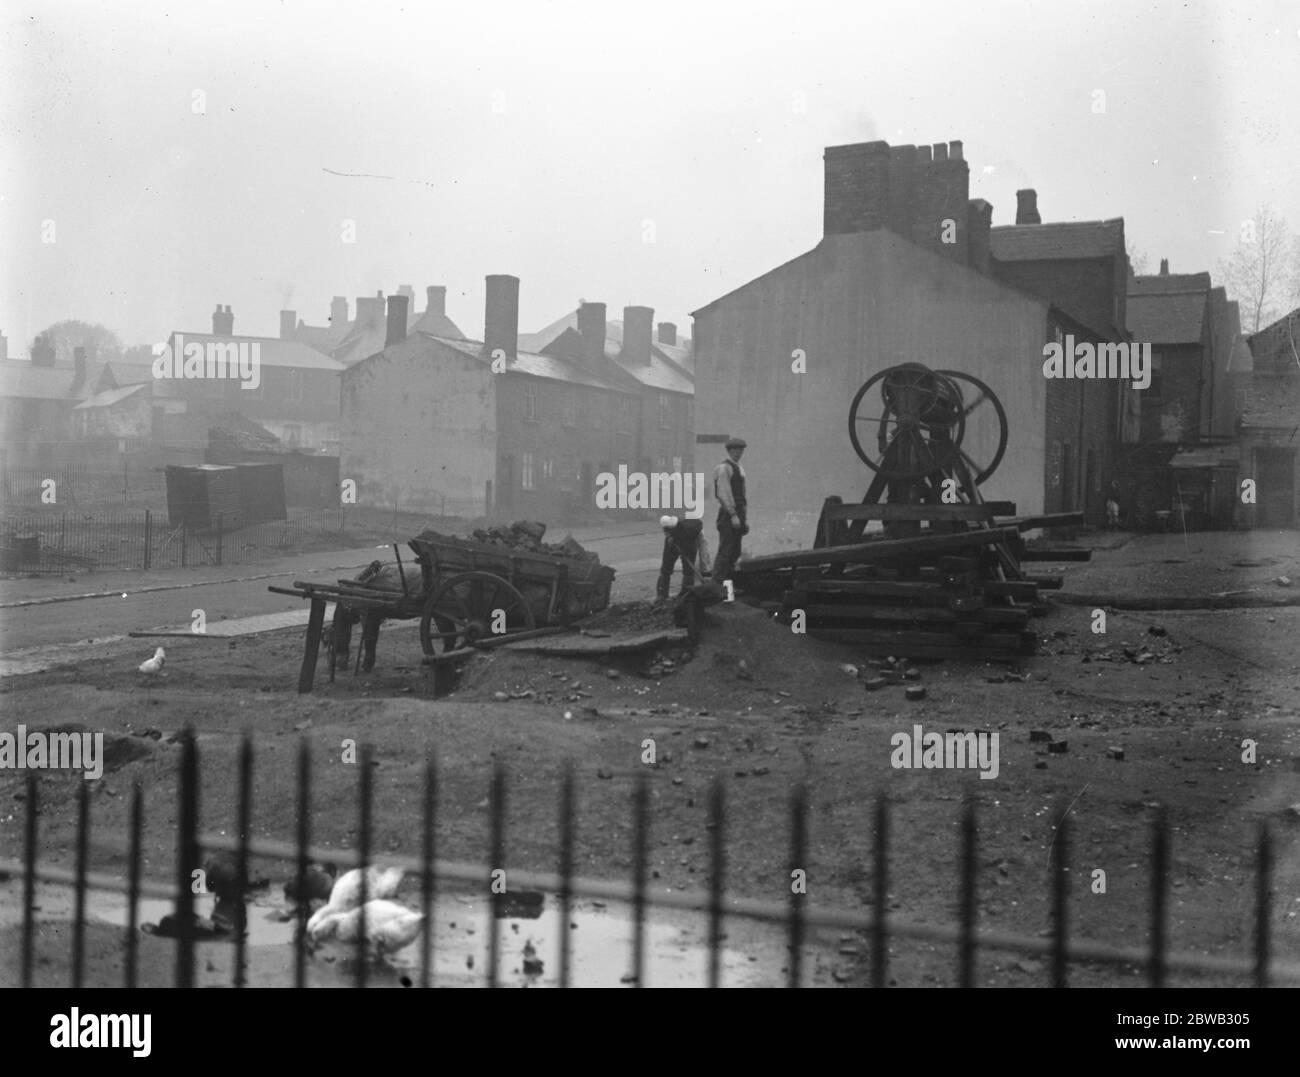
point(919, 422)
point(986, 421)
point(464, 607)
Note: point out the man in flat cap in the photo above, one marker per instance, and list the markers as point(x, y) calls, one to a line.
point(729, 489)
point(683, 539)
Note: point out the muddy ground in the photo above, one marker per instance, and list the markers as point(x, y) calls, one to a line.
point(1178, 704)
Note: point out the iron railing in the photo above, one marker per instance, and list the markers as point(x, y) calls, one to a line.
point(796, 916)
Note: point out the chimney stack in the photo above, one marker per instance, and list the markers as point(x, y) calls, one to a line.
point(398, 308)
point(501, 316)
point(1164, 267)
point(435, 299)
point(979, 221)
point(856, 188)
point(288, 324)
point(1027, 207)
point(591, 327)
point(338, 313)
point(223, 322)
point(370, 310)
point(42, 351)
point(638, 334)
point(668, 333)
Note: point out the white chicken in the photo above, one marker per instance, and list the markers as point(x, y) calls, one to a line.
point(346, 892)
point(389, 926)
point(152, 667)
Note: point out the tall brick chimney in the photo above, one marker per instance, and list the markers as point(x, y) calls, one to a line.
point(370, 310)
point(856, 188)
point(1164, 267)
point(638, 334)
point(1027, 207)
point(940, 203)
point(435, 299)
point(223, 322)
point(338, 312)
point(668, 333)
point(43, 351)
point(399, 306)
point(591, 327)
point(979, 220)
point(288, 324)
point(501, 316)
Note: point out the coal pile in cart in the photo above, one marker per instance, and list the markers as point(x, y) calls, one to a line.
point(945, 575)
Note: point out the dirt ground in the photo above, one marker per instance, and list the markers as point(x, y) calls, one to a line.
point(1178, 692)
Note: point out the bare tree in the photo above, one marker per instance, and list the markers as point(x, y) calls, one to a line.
point(1137, 260)
point(1259, 273)
point(72, 333)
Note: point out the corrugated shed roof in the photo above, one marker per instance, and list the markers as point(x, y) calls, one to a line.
point(1167, 319)
point(1167, 283)
point(274, 351)
point(109, 397)
point(1061, 240)
point(539, 366)
point(1273, 401)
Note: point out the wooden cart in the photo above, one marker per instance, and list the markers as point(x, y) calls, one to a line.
point(467, 595)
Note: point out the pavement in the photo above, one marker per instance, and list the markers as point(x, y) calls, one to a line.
point(39, 590)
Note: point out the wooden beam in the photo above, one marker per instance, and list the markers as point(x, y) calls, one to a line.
point(311, 648)
point(879, 550)
point(1047, 583)
point(1050, 519)
point(1057, 553)
point(1024, 591)
point(921, 512)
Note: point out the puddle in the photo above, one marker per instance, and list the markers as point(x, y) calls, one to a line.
point(676, 950)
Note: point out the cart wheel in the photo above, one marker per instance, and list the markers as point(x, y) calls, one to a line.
point(462, 609)
point(985, 421)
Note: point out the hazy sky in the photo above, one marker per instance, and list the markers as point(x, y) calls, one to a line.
point(658, 154)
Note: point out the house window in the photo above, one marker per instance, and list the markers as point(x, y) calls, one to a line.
point(661, 463)
point(295, 386)
point(570, 417)
point(1054, 475)
point(530, 403)
point(622, 417)
point(527, 477)
point(548, 470)
point(665, 412)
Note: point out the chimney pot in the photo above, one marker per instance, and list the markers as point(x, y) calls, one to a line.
point(1027, 207)
point(591, 327)
point(668, 333)
point(923, 154)
point(223, 322)
point(501, 316)
point(954, 150)
point(638, 331)
point(398, 306)
point(436, 299)
point(941, 151)
point(338, 312)
point(288, 324)
point(1164, 267)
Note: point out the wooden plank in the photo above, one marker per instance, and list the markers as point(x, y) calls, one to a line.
point(1047, 583)
point(312, 646)
point(880, 550)
point(859, 612)
point(1057, 553)
point(1017, 589)
point(1048, 519)
point(917, 589)
point(893, 512)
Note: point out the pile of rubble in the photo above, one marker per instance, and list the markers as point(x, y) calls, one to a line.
point(527, 535)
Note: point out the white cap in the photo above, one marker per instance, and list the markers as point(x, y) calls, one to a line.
point(667, 521)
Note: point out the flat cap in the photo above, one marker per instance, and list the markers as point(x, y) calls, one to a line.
point(736, 443)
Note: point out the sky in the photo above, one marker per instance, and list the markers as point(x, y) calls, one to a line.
point(157, 159)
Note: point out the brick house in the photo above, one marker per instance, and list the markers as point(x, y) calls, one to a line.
point(1269, 423)
point(427, 424)
point(901, 273)
point(38, 397)
point(1081, 268)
